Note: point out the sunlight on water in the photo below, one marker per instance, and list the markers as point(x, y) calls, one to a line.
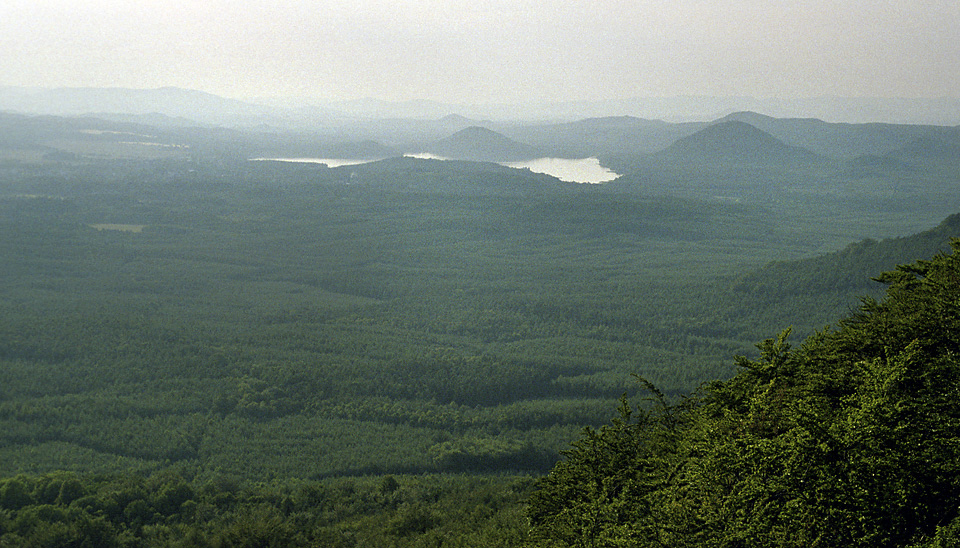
point(424, 156)
point(582, 170)
point(329, 162)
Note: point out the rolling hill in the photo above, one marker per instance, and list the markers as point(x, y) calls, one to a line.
point(836, 280)
point(481, 144)
point(832, 139)
point(602, 136)
point(736, 142)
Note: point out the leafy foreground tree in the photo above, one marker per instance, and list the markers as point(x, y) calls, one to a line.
point(164, 510)
point(852, 439)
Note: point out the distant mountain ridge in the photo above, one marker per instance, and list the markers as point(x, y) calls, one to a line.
point(601, 136)
point(199, 106)
point(835, 140)
point(937, 145)
point(736, 141)
point(622, 143)
point(481, 144)
point(206, 108)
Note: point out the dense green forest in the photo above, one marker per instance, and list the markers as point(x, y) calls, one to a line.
point(848, 440)
point(196, 349)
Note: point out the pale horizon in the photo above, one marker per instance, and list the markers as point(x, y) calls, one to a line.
point(502, 52)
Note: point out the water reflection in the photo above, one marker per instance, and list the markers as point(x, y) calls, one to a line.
point(329, 162)
point(580, 170)
point(583, 170)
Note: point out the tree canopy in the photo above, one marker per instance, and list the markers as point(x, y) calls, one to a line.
point(850, 439)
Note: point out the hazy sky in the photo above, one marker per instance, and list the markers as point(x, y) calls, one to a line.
point(481, 51)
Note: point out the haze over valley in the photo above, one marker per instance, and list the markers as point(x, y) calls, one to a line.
point(499, 275)
point(218, 316)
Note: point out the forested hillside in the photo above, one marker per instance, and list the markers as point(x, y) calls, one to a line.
point(452, 319)
point(198, 350)
point(848, 440)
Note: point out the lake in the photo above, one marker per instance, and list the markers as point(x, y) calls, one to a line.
point(583, 170)
point(329, 162)
point(579, 170)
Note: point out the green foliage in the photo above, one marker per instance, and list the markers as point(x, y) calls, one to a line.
point(849, 440)
point(167, 510)
point(209, 380)
point(366, 327)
